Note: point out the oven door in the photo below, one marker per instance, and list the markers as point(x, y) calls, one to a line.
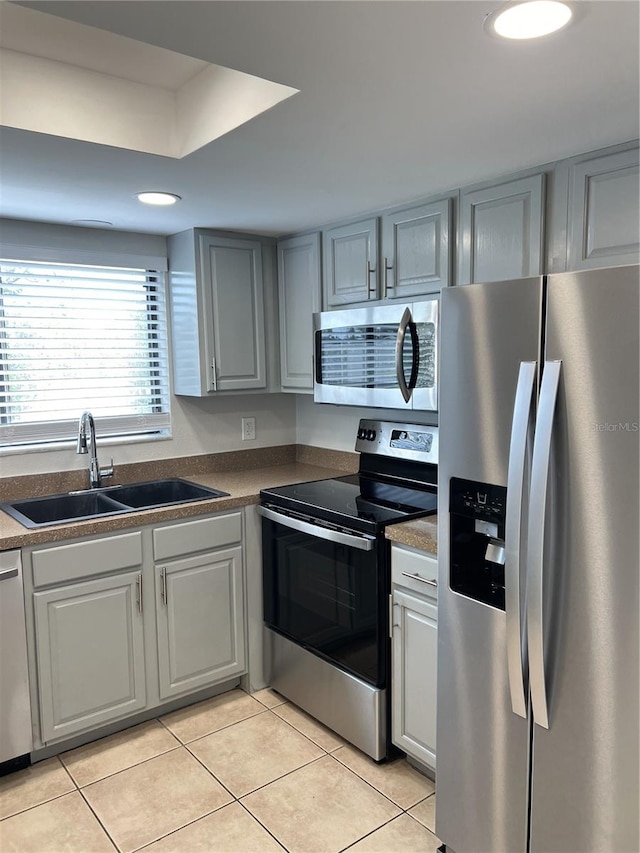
point(324, 590)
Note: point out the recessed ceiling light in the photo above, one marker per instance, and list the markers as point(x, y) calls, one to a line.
point(158, 198)
point(528, 20)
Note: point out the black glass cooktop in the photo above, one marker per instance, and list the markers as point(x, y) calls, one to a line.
point(356, 501)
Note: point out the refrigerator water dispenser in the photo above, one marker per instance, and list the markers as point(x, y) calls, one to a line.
point(477, 517)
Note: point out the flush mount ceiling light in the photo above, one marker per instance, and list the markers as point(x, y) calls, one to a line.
point(158, 198)
point(528, 20)
point(92, 223)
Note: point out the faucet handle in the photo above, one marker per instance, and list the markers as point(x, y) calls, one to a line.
point(107, 472)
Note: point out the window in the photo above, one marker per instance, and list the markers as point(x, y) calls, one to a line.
point(76, 338)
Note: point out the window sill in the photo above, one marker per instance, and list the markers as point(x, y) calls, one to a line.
point(106, 441)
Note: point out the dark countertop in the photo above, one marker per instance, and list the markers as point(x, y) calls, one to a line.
point(243, 488)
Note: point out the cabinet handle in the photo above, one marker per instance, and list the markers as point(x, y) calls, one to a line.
point(139, 592)
point(163, 587)
point(418, 578)
point(391, 617)
point(387, 286)
point(370, 271)
point(214, 377)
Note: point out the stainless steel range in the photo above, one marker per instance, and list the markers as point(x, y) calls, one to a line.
point(326, 565)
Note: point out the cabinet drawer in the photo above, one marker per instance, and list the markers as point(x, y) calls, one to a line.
point(414, 570)
point(86, 559)
point(204, 534)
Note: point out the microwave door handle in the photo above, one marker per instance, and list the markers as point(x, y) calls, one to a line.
point(536, 541)
point(362, 543)
point(406, 322)
point(519, 449)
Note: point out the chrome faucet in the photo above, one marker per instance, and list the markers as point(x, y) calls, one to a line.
point(96, 473)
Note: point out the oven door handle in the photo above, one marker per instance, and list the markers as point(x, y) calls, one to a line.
point(363, 543)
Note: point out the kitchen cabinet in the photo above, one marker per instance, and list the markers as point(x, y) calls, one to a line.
point(603, 215)
point(124, 623)
point(199, 605)
point(350, 258)
point(217, 313)
point(89, 635)
point(415, 258)
point(416, 250)
point(501, 230)
point(414, 640)
point(299, 293)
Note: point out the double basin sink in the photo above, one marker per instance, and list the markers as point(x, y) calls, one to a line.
point(96, 503)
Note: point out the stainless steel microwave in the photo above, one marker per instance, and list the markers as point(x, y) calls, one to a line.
point(384, 356)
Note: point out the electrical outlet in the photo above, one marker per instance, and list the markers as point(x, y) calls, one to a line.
point(248, 429)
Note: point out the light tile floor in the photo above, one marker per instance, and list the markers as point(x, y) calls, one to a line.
point(233, 774)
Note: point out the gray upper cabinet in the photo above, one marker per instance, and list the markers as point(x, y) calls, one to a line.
point(501, 230)
point(603, 221)
point(299, 291)
point(217, 313)
point(350, 256)
point(416, 250)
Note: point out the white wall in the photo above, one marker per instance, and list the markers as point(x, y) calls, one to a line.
point(335, 427)
point(199, 426)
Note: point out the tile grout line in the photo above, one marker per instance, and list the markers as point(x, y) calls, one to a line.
point(266, 828)
point(48, 799)
point(184, 826)
point(222, 728)
point(289, 723)
point(371, 785)
point(210, 772)
point(104, 828)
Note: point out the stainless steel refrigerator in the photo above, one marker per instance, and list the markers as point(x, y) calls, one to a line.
point(538, 601)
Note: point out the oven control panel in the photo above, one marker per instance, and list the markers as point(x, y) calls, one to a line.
point(404, 441)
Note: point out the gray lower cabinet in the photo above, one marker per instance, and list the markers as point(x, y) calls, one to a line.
point(414, 654)
point(90, 653)
point(416, 250)
point(122, 623)
point(501, 230)
point(299, 296)
point(217, 313)
point(200, 621)
point(604, 203)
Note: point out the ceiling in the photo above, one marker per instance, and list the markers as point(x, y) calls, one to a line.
point(398, 100)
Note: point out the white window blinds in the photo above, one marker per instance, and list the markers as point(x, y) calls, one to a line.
point(76, 338)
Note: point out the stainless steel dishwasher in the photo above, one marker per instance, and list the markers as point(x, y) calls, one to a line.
point(15, 708)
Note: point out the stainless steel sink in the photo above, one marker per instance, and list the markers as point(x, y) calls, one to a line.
point(95, 503)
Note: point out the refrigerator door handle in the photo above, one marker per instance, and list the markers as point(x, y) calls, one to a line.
point(535, 543)
point(521, 430)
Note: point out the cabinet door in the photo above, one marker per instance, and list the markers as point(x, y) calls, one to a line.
point(604, 220)
point(298, 297)
point(200, 621)
point(502, 230)
point(235, 342)
point(90, 652)
point(349, 257)
point(413, 702)
point(416, 250)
